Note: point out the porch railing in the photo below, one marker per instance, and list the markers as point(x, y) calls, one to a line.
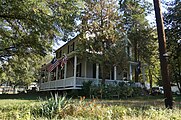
point(69, 82)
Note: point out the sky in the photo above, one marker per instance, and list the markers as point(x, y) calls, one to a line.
point(61, 43)
point(151, 19)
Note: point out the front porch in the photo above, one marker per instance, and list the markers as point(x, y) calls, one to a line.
point(72, 83)
point(76, 71)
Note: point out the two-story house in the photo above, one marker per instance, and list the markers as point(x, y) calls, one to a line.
point(77, 70)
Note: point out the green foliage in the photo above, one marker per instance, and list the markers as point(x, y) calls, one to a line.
point(102, 35)
point(140, 33)
point(28, 29)
point(134, 12)
point(121, 90)
point(87, 109)
point(86, 87)
point(73, 93)
point(22, 71)
point(50, 108)
point(137, 91)
point(15, 111)
point(173, 34)
point(30, 26)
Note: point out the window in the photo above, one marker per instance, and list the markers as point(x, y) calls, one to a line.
point(60, 53)
point(79, 66)
point(112, 74)
point(94, 70)
point(57, 55)
point(53, 75)
point(60, 72)
point(72, 47)
point(68, 49)
point(125, 75)
point(100, 72)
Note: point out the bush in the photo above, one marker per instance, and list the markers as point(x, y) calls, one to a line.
point(110, 91)
point(121, 90)
point(50, 108)
point(137, 91)
point(86, 87)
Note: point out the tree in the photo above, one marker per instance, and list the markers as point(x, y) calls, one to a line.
point(173, 22)
point(30, 26)
point(102, 35)
point(140, 33)
point(27, 31)
point(23, 71)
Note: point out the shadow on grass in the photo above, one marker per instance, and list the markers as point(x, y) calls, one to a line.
point(144, 101)
point(26, 96)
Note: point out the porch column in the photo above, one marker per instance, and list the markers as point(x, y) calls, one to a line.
point(85, 74)
point(49, 79)
point(65, 70)
point(130, 52)
point(49, 75)
point(57, 73)
point(130, 72)
point(97, 73)
point(46, 76)
point(75, 69)
point(110, 75)
point(115, 73)
point(144, 76)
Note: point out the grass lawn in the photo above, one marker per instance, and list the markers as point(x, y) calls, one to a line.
point(156, 101)
point(143, 101)
point(15, 101)
point(28, 106)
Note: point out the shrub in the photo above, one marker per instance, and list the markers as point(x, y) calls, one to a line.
point(50, 108)
point(121, 90)
point(86, 87)
point(137, 91)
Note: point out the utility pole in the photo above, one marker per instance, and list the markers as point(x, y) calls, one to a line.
point(162, 52)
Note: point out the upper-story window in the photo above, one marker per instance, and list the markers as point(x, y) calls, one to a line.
point(71, 47)
point(68, 49)
point(60, 53)
point(57, 55)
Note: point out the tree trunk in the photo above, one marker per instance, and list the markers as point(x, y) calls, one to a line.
point(14, 89)
point(151, 80)
point(179, 75)
point(136, 59)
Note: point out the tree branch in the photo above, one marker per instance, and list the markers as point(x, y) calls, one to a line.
point(12, 17)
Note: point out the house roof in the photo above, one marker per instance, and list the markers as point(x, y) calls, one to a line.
point(75, 38)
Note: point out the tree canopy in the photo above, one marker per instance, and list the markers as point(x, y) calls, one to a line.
point(140, 33)
point(173, 35)
point(102, 34)
point(28, 28)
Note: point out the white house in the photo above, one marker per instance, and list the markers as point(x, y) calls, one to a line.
point(77, 70)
